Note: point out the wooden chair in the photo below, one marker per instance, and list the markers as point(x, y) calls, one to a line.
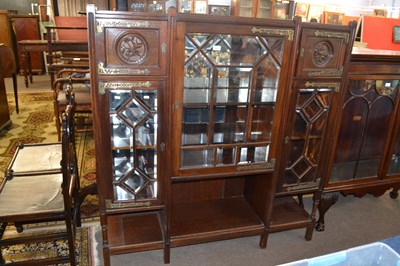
point(43, 196)
point(64, 51)
point(77, 81)
point(8, 66)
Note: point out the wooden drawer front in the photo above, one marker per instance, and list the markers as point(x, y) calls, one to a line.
point(322, 53)
point(131, 47)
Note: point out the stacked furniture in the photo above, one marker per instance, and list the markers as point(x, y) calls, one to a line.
point(206, 127)
point(40, 189)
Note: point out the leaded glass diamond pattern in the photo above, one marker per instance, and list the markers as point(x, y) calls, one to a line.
point(135, 162)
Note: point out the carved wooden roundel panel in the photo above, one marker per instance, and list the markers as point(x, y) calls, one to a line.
point(322, 54)
point(132, 49)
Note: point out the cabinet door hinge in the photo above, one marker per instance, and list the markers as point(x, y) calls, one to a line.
point(162, 147)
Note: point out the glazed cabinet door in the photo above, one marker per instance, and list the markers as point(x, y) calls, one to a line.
point(225, 112)
point(134, 116)
point(369, 110)
point(128, 90)
point(309, 123)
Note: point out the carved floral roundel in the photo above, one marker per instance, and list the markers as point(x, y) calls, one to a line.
point(322, 54)
point(132, 49)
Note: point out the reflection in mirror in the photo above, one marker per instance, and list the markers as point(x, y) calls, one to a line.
point(226, 156)
point(254, 154)
point(134, 112)
point(122, 162)
point(118, 98)
point(232, 128)
point(121, 133)
point(197, 158)
point(195, 126)
point(148, 99)
point(145, 133)
point(146, 160)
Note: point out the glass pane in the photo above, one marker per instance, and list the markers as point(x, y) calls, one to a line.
point(121, 133)
point(246, 8)
point(147, 99)
point(394, 167)
point(146, 133)
point(226, 156)
point(146, 160)
point(134, 112)
point(122, 162)
point(261, 127)
point(253, 154)
point(135, 186)
point(118, 98)
point(218, 49)
point(195, 126)
point(362, 136)
point(375, 137)
point(235, 87)
point(186, 6)
point(265, 9)
point(197, 158)
point(267, 81)
point(231, 125)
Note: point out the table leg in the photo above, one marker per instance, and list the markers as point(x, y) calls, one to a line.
point(24, 57)
point(30, 67)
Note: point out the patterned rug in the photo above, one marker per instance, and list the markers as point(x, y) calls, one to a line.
point(84, 247)
point(35, 124)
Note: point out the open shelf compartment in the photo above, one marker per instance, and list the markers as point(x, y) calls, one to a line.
point(211, 220)
point(288, 214)
point(134, 232)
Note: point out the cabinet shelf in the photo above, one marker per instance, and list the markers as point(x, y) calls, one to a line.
point(134, 232)
point(202, 221)
point(288, 214)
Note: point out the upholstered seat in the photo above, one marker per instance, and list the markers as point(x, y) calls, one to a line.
point(43, 199)
point(25, 162)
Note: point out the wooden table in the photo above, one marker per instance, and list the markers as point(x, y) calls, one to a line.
point(25, 48)
point(28, 46)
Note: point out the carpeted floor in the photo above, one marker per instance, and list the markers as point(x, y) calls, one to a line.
point(85, 246)
point(35, 124)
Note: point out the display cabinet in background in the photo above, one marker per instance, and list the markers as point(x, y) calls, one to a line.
point(193, 6)
point(157, 6)
point(365, 158)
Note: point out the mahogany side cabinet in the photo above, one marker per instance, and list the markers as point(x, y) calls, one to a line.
point(206, 127)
